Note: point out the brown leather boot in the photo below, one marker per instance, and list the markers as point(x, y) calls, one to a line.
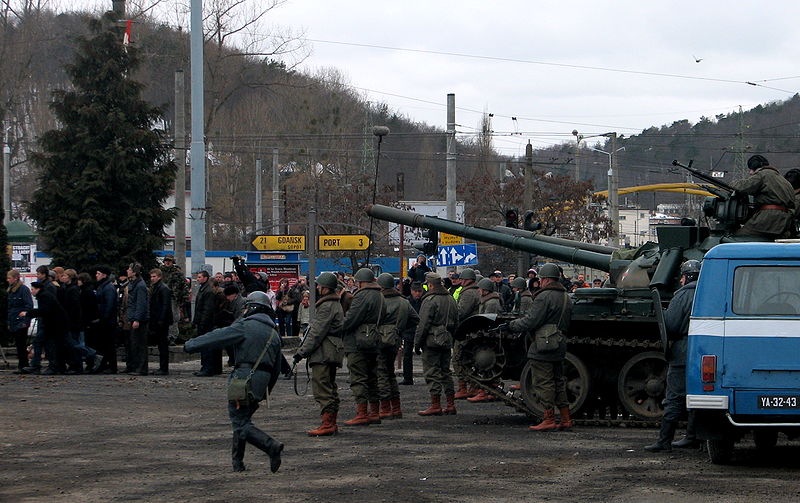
point(462, 392)
point(435, 409)
point(374, 413)
point(482, 396)
point(565, 422)
point(386, 410)
point(451, 405)
point(328, 426)
point(397, 412)
point(361, 419)
point(548, 423)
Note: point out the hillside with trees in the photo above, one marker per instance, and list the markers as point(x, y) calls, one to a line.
point(257, 99)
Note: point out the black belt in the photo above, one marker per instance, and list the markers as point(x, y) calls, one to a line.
point(261, 366)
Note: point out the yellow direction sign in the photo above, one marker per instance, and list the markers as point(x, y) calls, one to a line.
point(450, 239)
point(282, 243)
point(343, 242)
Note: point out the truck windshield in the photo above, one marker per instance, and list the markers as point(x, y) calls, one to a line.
point(766, 290)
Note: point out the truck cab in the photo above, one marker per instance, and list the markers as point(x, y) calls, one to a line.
point(743, 358)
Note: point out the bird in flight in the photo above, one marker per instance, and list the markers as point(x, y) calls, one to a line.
point(696, 59)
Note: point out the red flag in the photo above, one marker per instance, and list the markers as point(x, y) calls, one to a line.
point(126, 39)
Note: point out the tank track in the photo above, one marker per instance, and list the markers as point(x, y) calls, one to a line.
point(511, 399)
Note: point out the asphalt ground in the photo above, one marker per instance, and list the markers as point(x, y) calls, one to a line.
point(109, 438)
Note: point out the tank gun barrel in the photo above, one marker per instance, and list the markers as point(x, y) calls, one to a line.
point(571, 254)
point(605, 250)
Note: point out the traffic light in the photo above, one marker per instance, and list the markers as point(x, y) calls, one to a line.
point(512, 218)
point(430, 246)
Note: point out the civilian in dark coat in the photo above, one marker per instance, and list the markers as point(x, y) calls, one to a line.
point(138, 311)
point(205, 318)
point(104, 332)
point(42, 276)
point(160, 318)
point(53, 322)
point(71, 300)
point(19, 300)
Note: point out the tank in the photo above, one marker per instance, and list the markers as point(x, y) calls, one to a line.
point(615, 366)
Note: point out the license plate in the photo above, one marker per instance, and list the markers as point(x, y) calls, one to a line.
point(779, 401)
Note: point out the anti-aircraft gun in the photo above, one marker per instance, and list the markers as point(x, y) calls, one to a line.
point(615, 364)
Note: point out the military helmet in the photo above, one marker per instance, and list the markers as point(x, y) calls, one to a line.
point(478, 278)
point(486, 284)
point(386, 280)
point(328, 280)
point(520, 283)
point(467, 274)
point(365, 275)
point(549, 270)
point(258, 299)
point(691, 267)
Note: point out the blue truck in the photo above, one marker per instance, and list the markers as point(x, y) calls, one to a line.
point(743, 359)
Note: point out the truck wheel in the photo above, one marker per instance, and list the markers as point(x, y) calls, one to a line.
point(765, 439)
point(720, 451)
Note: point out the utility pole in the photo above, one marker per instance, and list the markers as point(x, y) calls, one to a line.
point(740, 171)
point(578, 139)
point(451, 159)
point(613, 190)
point(180, 176)
point(198, 147)
point(524, 258)
point(276, 196)
point(6, 174)
point(312, 257)
point(259, 209)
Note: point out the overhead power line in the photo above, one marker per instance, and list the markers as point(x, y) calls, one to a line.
point(561, 65)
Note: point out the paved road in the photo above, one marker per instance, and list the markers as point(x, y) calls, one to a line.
point(150, 439)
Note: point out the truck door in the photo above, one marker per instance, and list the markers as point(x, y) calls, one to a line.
point(762, 330)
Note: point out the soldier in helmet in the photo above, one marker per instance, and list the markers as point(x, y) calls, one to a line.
point(438, 317)
point(324, 349)
point(523, 299)
point(469, 300)
point(257, 350)
point(676, 322)
point(548, 320)
point(400, 317)
point(774, 199)
point(491, 301)
point(360, 334)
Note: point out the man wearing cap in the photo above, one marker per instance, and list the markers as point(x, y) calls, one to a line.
point(773, 196)
point(469, 302)
point(438, 318)
point(324, 349)
point(400, 317)
point(506, 295)
point(548, 319)
point(53, 324)
point(415, 301)
point(257, 351)
point(360, 333)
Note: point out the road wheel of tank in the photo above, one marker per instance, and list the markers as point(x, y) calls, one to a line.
point(483, 358)
point(765, 439)
point(578, 385)
point(720, 451)
point(642, 385)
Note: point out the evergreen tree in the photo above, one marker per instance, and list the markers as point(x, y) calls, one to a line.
point(106, 170)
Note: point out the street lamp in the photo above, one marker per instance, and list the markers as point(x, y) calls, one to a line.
point(613, 188)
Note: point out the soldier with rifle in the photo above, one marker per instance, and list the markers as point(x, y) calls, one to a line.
point(773, 197)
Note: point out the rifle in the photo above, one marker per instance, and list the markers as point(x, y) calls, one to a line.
point(707, 179)
point(294, 365)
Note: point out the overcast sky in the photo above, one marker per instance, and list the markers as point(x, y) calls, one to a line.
point(739, 41)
